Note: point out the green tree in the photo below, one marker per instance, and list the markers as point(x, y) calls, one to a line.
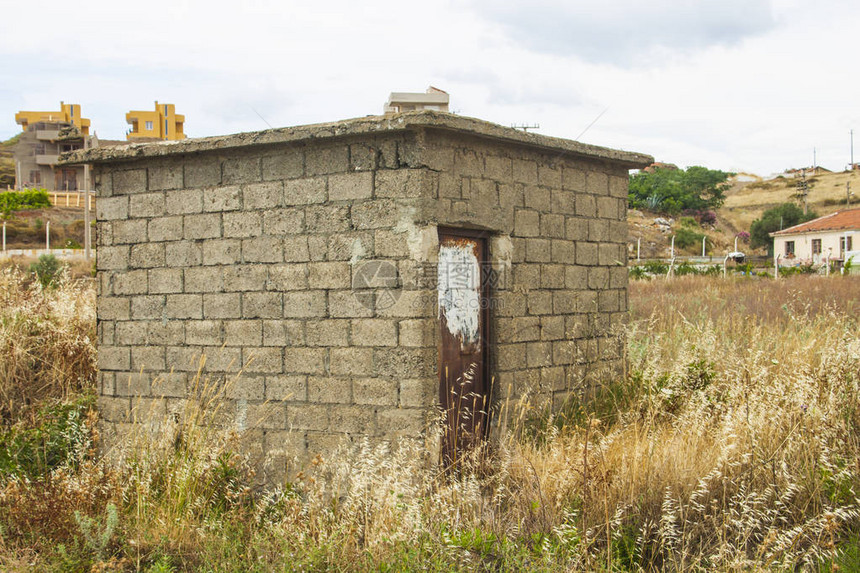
point(47, 270)
point(674, 190)
point(775, 219)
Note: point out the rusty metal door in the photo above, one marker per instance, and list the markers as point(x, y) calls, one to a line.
point(464, 389)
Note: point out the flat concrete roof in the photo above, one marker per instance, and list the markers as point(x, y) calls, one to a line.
point(409, 97)
point(407, 121)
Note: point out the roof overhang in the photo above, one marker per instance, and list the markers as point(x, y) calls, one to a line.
point(414, 120)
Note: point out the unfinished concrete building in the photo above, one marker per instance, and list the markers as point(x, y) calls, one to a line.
point(358, 278)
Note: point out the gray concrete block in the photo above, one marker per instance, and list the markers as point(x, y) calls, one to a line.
point(112, 208)
point(240, 225)
point(286, 164)
point(305, 304)
point(165, 176)
point(128, 182)
point(202, 172)
point(222, 305)
point(264, 195)
point(182, 254)
point(147, 256)
point(262, 305)
point(244, 278)
point(219, 199)
point(329, 390)
point(184, 306)
point(329, 275)
point(298, 360)
point(350, 186)
point(327, 332)
point(206, 226)
point(262, 250)
point(243, 332)
point(184, 202)
point(203, 280)
point(112, 258)
point(241, 170)
point(283, 221)
point(322, 161)
point(165, 229)
point(222, 251)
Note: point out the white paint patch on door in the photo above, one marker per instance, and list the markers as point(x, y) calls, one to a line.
point(459, 284)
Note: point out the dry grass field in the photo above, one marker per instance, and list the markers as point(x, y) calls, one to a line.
point(733, 445)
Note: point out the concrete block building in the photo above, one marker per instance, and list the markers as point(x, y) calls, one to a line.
point(37, 152)
point(68, 113)
point(162, 124)
point(365, 278)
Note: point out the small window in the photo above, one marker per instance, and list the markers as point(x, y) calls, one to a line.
point(789, 248)
point(36, 177)
point(166, 131)
point(845, 244)
point(148, 126)
point(816, 246)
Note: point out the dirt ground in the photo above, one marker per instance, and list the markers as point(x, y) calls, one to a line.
point(26, 229)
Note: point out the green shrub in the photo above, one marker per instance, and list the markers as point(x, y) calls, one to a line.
point(26, 199)
point(60, 437)
point(47, 270)
point(685, 238)
point(688, 222)
point(798, 270)
point(685, 268)
point(656, 268)
point(638, 273)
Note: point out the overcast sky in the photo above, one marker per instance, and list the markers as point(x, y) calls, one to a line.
point(741, 85)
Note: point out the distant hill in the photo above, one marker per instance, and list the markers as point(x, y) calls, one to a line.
point(748, 199)
point(7, 163)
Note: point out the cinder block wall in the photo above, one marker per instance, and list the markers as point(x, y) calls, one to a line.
point(560, 229)
point(247, 256)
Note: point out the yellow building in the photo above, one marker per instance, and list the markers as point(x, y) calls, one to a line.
point(163, 123)
point(69, 113)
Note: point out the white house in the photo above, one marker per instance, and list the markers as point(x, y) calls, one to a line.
point(834, 237)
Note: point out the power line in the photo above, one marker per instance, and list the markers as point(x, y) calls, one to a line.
point(261, 117)
point(590, 124)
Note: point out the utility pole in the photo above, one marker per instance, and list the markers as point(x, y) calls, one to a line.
point(852, 150)
point(87, 234)
point(803, 191)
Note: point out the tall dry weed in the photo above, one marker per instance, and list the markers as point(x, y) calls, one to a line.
point(47, 343)
point(735, 449)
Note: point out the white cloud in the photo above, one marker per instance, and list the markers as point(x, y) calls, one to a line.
point(625, 32)
point(753, 86)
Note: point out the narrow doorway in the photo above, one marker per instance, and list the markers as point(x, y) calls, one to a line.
point(463, 294)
